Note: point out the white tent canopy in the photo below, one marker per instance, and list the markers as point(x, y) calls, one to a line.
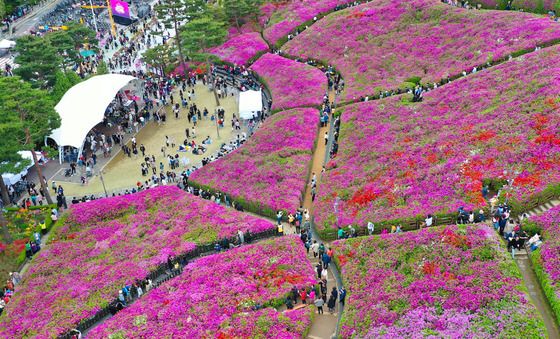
point(249, 103)
point(12, 178)
point(5, 44)
point(83, 107)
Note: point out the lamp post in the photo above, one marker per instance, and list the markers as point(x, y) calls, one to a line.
point(217, 127)
point(103, 183)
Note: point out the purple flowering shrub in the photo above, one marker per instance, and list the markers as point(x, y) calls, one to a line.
point(270, 170)
point(399, 159)
point(239, 49)
point(382, 44)
point(284, 17)
point(205, 303)
point(106, 243)
point(293, 84)
point(450, 282)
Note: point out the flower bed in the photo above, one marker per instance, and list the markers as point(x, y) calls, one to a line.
point(22, 224)
point(239, 49)
point(269, 172)
point(538, 6)
point(285, 16)
point(547, 259)
point(399, 159)
point(106, 243)
point(382, 45)
point(293, 84)
point(450, 282)
point(203, 303)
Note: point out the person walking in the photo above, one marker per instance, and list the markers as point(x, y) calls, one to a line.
point(342, 295)
point(319, 303)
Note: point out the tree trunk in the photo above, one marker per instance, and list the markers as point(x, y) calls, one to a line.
point(4, 192)
point(40, 175)
point(178, 42)
point(38, 168)
point(208, 66)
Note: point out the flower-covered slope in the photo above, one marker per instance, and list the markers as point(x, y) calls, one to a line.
point(293, 84)
point(270, 170)
point(109, 242)
point(240, 48)
point(382, 44)
point(204, 303)
point(401, 159)
point(451, 282)
point(539, 6)
point(284, 17)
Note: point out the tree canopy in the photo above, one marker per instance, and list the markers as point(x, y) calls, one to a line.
point(29, 111)
point(38, 61)
point(237, 10)
point(200, 34)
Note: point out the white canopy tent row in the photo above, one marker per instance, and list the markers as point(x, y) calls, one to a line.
point(250, 102)
point(12, 178)
point(6, 44)
point(83, 107)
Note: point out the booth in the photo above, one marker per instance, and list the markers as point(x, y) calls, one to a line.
point(250, 102)
point(12, 178)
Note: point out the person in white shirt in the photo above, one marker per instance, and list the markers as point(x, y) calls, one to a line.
point(429, 220)
point(370, 227)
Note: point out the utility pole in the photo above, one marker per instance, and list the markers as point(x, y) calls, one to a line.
point(103, 183)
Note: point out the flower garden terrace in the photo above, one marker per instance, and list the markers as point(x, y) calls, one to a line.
point(401, 160)
point(451, 282)
point(384, 45)
point(106, 243)
point(202, 303)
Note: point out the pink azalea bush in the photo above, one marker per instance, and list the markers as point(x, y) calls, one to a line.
point(106, 243)
point(399, 159)
point(285, 16)
point(445, 282)
point(529, 5)
point(382, 44)
point(205, 303)
point(239, 49)
point(293, 84)
point(271, 168)
point(547, 258)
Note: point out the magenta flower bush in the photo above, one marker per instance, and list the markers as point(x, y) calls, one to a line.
point(215, 295)
point(270, 170)
point(399, 159)
point(107, 243)
point(382, 44)
point(293, 84)
point(445, 282)
point(239, 49)
point(546, 260)
point(529, 5)
point(284, 17)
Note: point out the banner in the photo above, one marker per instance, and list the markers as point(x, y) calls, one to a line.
point(120, 8)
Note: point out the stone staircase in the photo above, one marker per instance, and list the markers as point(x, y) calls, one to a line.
point(543, 208)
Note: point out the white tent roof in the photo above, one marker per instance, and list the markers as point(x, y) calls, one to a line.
point(249, 103)
point(84, 105)
point(7, 44)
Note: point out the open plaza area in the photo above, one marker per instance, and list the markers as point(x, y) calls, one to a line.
point(280, 169)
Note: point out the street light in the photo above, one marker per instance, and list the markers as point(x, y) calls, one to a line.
point(103, 183)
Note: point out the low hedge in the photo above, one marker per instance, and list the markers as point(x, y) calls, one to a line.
point(546, 283)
